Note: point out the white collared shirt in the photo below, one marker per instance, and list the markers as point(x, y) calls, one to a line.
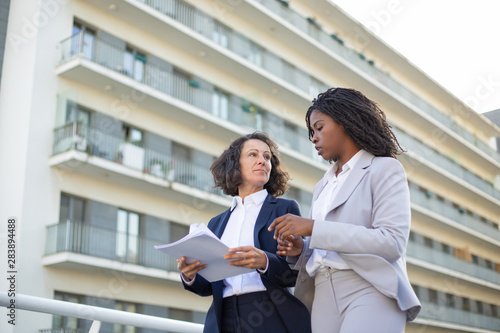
point(321, 259)
point(239, 231)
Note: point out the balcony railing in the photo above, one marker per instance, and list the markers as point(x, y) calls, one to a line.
point(87, 239)
point(332, 42)
point(182, 88)
point(442, 259)
point(446, 209)
point(239, 44)
point(419, 148)
point(95, 142)
point(442, 313)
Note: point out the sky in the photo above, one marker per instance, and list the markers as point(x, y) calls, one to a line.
point(455, 42)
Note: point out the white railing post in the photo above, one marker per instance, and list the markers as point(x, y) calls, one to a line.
point(96, 326)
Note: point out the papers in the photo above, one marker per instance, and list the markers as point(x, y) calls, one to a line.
point(202, 244)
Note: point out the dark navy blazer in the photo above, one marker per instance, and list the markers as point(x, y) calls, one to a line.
point(277, 278)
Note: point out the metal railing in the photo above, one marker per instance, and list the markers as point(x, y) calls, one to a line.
point(446, 209)
point(444, 313)
point(95, 142)
point(88, 239)
point(181, 87)
point(96, 314)
point(442, 259)
point(239, 44)
point(331, 41)
point(432, 156)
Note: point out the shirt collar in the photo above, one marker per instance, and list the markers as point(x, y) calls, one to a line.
point(257, 198)
point(330, 174)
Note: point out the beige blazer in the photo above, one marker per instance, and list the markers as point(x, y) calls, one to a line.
point(368, 224)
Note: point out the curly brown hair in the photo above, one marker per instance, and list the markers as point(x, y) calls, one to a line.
point(363, 121)
point(226, 168)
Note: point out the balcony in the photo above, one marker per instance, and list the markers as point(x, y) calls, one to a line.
point(93, 241)
point(187, 103)
point(95, 143)
point(204, 33)
point(96, 151)
point(419, 150)
point(473, 272)
point(470, 320)
point(447, 210)
point(295, 21)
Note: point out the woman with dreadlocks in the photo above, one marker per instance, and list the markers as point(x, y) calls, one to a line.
point(352, 271)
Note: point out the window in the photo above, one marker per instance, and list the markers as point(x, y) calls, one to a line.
point(82, 41)
point(133, 135)
point(129, 307)
point(177, 231)
point(433, 296)
point(127, 236)
point(447, 249)
point(181, 152)
point(428, 241)
point(221, 35)
point(179, 314)
point(74, 113)
point(220, 104)
point(71, 208)
point(255, 54)
point(450, 300)
point(465, 304)
point(134, 64)
point(69, 324)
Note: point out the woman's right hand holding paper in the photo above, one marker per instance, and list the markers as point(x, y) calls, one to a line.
point(189, 270)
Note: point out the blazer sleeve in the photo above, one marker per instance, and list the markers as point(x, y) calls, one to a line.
point(279, 271)
point(200, 286)
point(385, 233)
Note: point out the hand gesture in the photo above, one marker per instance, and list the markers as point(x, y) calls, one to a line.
point(291, 225)
point(292, 246)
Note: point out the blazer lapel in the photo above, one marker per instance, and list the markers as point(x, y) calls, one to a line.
point(218, 228)
point(355, 176)
point(263, 217)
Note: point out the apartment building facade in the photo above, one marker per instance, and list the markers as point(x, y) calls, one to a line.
point(111, 112)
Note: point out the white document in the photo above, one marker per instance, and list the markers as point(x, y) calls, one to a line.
point(202, 244)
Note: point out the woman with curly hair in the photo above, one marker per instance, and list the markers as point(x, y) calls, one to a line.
point(250, 171)
point(352, 270)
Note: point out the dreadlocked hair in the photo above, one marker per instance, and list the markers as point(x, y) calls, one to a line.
point(363, 121)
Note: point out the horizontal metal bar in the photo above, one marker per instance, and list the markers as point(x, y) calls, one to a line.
point(61, 308)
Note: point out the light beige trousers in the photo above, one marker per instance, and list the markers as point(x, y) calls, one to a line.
point(344, 302)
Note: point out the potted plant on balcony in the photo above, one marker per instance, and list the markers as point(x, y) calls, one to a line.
point(158, 167)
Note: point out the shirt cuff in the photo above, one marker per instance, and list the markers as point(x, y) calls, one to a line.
point(189, 283)
point(263, 271)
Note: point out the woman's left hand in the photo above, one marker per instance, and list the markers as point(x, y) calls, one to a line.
point(247, 256)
